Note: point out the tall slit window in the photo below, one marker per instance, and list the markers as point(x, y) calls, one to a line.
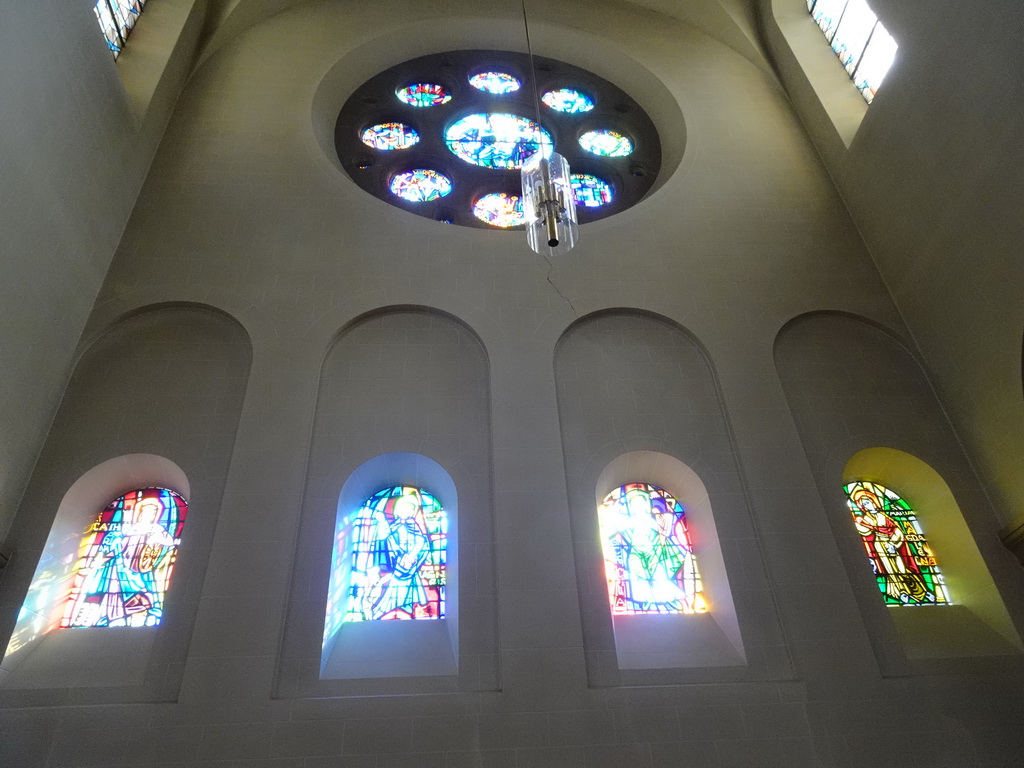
point(400, 545)
point(858, 38)
point(117, 19)
point(125, 561)
point(648, 556)
point(905, 566)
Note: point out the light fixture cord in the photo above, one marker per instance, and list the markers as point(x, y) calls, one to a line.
point(533, 69)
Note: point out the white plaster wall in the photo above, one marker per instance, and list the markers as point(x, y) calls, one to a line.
point(244, 211)
point(933, 177)
point(77, 132)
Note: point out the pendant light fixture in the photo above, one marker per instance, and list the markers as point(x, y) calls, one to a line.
point(548, 205)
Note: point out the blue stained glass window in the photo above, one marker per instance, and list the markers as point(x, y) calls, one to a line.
point(126, 560)
point(388, 136)
point(568, 100)
point(420, 185)
point(424, 95)
point(590, 191)
point(399, 556)
point(606, 143)
point(499, 209)
point(497, 140)
point(859, 39)
point(648, 557)
point(117, 19)
point(498, 83)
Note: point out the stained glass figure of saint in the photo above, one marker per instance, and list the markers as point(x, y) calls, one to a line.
point(903, 562)
point(400, 548)
point(127, 556)
point(648, 557)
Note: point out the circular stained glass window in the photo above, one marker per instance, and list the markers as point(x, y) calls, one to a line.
point(387, 136)
point(590, 191)
point(463, 167)
point(420, 185)
point(568, 100)
point(499, 209)
point(495, 82)
point(497, 141)
point(606, 143)
point(423, 95)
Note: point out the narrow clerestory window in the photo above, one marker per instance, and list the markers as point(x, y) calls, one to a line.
point(863, 45)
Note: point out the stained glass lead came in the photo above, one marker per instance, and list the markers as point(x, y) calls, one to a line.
point(497, 140)
point(388, 136)
point(399, 557)
point(499, 209)
point(606, 143)
point(649, 561)
point(568, 100)
point(424, 95)
point(590, 191)
point(904, 565)
point(125, 561)
point(498, 83)
point(420, 185)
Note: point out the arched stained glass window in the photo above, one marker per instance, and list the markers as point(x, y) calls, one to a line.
point(399, 551)
point(117, 19)
point(648, 557)
point(904, 565)
point(858, 38)
point(497, 140)
point(126, 560)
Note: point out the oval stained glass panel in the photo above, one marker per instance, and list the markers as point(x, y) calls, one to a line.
point(606, 143)
point(424, 95)
point(568, 100)
point(420, 185)
point(499, 209)
point(590, 191)
point(497, 140)
point(388, 136)
point(495, 82)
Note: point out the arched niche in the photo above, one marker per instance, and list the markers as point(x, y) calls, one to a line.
point(404, 396)
point(637, 395)
point(156, 398)
point(39, 654)
point(369, 649)
point(976, 623)
point(861, 402)
point(657, 641)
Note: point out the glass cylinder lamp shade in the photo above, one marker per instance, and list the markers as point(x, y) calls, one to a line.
point(548, 206)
